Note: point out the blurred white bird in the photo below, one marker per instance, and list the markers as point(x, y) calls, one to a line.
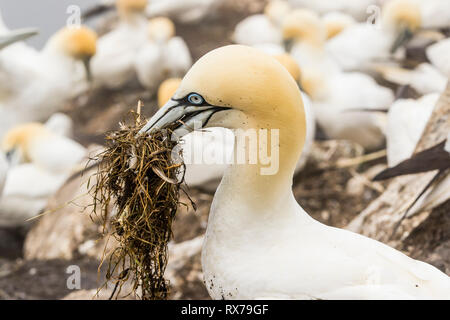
point(41, 161)
point(185, 11)
point(407, 119)
point(293, 68)
point(363, 43)
point(3, 171)
point(358, 9)
point(439, 55)
point(260, 29)
point(260, 243)
point(162, 55)
point(425, 78)
point(337, 100)
point(61, 124)
point(113, 65)
point(34, 88)
point(336, 22)
point(435, 13)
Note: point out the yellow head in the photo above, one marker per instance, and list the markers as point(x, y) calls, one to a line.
point(19, 138)
point(131, 6)
point(167, 89)
point(290, 64)
point(161, 29)
point(77, 42)
point(276, 10)
point(336, 22)
point(401, 14)
point(304, 25)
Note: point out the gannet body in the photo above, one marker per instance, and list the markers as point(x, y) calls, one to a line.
point(41, 161)
point(113, 65)
point(263, 29)
point(435, 13)
point(3, 171)
point(425, 78)
point(306, 34)
point(185, 11)
point(60, 124)
point(355, 8)
point(256, 29)
point(336, 22)
point(407, 119)
point(260, 244)
point(361, 44)
point(206, 153)
point(163, 55)
point(439, 55)
point(38, 86)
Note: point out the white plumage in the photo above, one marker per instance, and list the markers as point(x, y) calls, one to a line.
point(3, 171)
point(186, 11)
point(163, 55)
point(407, 119)
point(439, 55)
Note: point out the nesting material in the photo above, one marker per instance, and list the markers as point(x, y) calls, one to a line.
point(139, 182)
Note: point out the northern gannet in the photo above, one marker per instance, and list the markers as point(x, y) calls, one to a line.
point(336, 98)
point(260, 244)
point(361, 44)
point(305, 36)
point(113, 65)
point(407, 119)
point(185, 11)
point(34, 88)
point(262, 29)
point(212, 147)
point(439, 55)
point(358, 9)
point(292, 67)
point(162, 55)
point(3, 171)
point(40, 162)
point(336, 22)
point(425, 78)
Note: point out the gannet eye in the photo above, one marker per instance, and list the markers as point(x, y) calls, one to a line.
point(196, 99)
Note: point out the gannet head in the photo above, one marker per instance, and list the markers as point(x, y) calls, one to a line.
point(235, 87)
point(77, 42)
point(161, 29)
point(167, 89)
point(276, 10)
point(130, 7)
point(403, 17)
point(336, 22)
point(313, 83)
point(291, 65)
point(303, 25)
point(17, 141)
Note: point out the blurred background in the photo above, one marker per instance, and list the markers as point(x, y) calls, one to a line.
point(373, 81)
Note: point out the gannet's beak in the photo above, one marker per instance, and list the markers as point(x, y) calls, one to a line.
point(184, 116)
point(403, 38)
point(15, 36)
point(288, 44)
point(13, 157)
point(87, 68)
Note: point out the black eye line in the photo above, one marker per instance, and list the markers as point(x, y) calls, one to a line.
point(185, 100)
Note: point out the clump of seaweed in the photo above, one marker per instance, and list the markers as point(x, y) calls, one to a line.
point(139, 182)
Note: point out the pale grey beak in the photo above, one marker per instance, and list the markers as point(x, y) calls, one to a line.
point(185, 118)
point(15, 36)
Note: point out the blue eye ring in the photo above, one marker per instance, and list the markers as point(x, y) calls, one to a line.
point(195, 99)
